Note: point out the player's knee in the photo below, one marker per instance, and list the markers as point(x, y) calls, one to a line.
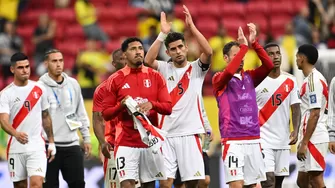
point(205, 182)
point(166, 183)
point(128, 184)
point(192, 184)
point(270, 181)
point(236, 184)
point(77, 184)
point(36, 184)
point(302, 183)
point(20, 184)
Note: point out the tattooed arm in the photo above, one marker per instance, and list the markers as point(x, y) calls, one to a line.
point(47, 125)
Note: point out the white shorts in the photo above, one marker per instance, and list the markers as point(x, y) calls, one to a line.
point(243, 162)
point(24, 165)
point(277, 161)
point(111, 177)
point(315, 158)
point(185, 153)
point(139, 164)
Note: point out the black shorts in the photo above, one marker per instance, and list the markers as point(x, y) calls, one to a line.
point(177, 180)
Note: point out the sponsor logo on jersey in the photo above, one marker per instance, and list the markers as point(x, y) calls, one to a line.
point(197, 174)
point(125, 86)
point(171, 78)
point(264, 90)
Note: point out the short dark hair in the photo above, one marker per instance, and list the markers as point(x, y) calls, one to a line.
point(125, 43)
point(228, 46)
point(172, 37)
point(51, 51)
point(310, 52)
point(271, 44)
point(19, 56)
point(116, 52)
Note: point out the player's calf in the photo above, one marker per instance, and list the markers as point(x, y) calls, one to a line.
point(36, 181)
point(270, 180)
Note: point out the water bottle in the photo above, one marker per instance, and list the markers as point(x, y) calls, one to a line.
point(206, 142)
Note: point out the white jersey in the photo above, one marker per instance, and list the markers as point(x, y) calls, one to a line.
point(185, 87)
point(24, 106)
point(274, 99)
point(314, 94)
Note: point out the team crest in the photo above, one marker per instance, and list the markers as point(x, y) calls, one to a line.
point(147, 83)
point(36, 95)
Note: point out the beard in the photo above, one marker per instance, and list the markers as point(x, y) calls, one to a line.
point(180, 61)
point(138, 63)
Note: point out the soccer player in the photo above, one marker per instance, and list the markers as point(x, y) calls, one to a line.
point(23, 113)
point(184, 80)
point(207, 138)
point(276, 96)
point(105, 131)
point(234, 89)
point(69, 115)
point(331, 116)
point(134, 160)
point(313, 135)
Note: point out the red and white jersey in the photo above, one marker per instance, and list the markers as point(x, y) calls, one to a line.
point(274, 99)
point(24, 106)
point(314, 94)
point(185, 88)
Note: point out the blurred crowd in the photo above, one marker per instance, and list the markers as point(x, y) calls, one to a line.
point(314, 23)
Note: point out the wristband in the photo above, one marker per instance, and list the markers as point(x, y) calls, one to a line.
point(52, 147)
point(162, 36)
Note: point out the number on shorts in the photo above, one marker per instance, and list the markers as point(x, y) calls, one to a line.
point(114, 173)
point(263, 153)
point(26, 104)
point(120, 163)
point(231, 160)
point(11, 162)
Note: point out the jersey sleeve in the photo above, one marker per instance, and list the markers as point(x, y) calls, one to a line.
point(200, 69)
point(98, 98)
point(44, 98)
point(295, 93)
point(314, 92)
point(4, 103)
point(111, 107)
point(162, 66)
point(331, 111)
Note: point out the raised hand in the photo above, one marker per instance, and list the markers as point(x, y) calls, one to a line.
point(241, 38)
point(165, 26)
point(188, 17)
point(252, 32)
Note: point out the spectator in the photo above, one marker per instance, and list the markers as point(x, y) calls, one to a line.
point(87, 17)
point(8, 12)
point(43, 40)
point(91, 65)
point(177, 24)
point(316, 40)
point(302, 27)
point(289, 44)
point(217, 43)
point(144, 23)
point(62, 3)
point(158, 6)
point(10, 43)
point(147, 42)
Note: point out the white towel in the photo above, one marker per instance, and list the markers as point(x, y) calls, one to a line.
point(150, 135)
